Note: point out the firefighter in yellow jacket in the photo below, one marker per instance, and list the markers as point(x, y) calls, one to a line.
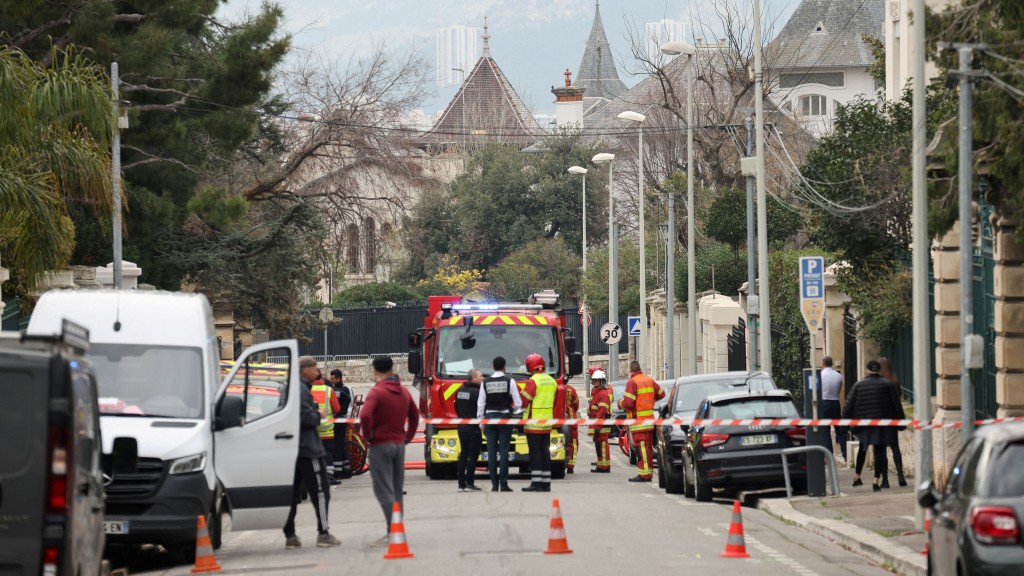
point(572, 409)
point(638, 402)
point(539, 401)
point(327, 402)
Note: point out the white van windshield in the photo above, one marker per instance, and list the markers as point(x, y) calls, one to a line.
point(154, 381)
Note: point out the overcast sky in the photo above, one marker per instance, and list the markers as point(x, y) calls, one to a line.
point(533, 41)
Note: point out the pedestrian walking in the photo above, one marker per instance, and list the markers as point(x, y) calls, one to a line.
point(873, 397)
point(831, 388)
point(327, 403)
point(897, 455)
point(600, 407)
point(388, 420)
point(572, 444)
point(469, 434)
point(539, 400)
point(342, 469)
point(638, 402)
point(498, 398)
point(310, 467)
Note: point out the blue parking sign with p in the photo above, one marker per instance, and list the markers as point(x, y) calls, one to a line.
point(812, 291)
point(634, 325)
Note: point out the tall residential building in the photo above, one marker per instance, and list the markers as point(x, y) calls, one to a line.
point(457, 51)
point(657, 33)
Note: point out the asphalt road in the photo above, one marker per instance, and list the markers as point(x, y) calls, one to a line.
point(613, 527)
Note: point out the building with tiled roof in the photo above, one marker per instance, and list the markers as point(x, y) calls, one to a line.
point(485, 110)
point(819, 59)
point(597, 74)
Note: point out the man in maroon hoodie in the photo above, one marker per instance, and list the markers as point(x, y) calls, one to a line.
point(388, 420)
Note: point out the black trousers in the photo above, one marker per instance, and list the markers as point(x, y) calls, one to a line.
point(311, 473)
point(329, 457)
point(881, 461)
point(830, 409)
point(540, 458)
point(499, 438)
point(340, 448)
point(469, 452)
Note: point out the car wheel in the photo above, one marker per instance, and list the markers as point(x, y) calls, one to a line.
point(661, 476)
point(674, 484)
point(701, 490)
point(687, 486)
point(557, 470)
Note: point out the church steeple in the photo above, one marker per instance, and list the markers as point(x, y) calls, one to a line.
point(597, 72)
point(487, 40)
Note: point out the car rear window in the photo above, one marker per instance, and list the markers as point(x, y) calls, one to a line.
point(690, 394)
point(747, 408)
point(19, 411)
point(1006, 474)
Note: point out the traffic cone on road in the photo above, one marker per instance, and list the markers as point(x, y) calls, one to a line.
point(557, 544)
point(205, 560)
point(735, 547)
point(397, 546)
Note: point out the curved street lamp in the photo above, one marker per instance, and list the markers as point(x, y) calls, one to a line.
point(583, 305)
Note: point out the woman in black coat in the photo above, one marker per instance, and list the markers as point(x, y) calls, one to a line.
point(897, 456)
point(873, 398)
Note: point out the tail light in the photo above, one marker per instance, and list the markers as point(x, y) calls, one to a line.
point(995, 525)
point(709, 440)
point(51, 561)
point(797, 434)
point(57, 485)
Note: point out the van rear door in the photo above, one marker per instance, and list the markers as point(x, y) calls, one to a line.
point(24, 460)
point(257, 434)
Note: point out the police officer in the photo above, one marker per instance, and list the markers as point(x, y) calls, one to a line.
point(499, 398)
point(469, 434)
point(539, 400)
point(344, 394)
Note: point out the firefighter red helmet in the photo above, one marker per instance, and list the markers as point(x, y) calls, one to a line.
point(534, 362)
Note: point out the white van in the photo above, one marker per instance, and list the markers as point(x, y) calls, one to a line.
point(204, 446)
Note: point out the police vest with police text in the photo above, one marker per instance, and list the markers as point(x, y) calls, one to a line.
point(499, 394)
point(465, 400)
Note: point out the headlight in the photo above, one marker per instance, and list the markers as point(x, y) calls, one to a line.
point(440, 446)
point(557, 443)
point(451, 442)
point(188, 464)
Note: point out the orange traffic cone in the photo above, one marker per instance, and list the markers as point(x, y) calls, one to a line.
point(557, 544)
point(735, 547)
point(205, 560)
point(927, 528)
point(397, 546)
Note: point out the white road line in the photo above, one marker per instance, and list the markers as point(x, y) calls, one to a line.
point(776, 555)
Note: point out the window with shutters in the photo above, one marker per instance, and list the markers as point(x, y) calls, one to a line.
point(352, 249)
point(370, 238)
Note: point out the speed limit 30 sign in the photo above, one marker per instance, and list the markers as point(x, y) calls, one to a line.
point(611, 333)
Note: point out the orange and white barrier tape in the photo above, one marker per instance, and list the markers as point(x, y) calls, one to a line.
point(850, 422)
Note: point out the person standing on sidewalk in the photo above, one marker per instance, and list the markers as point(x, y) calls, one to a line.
point(638, 402)
point(388, 420)
point(600, 407)
point(831, 387)
point(897, 455)
point(871, 398)
point(469, 434)
point(310, 468)
point(498, 398)
point(539, 400)
point(341, 466)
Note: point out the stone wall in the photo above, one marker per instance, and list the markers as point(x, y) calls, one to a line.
point(653, 361)
point(946, 266)
point(1008, 281)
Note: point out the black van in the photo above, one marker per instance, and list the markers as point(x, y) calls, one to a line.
point(51, 482)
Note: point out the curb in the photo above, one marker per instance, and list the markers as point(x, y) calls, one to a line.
point(854, 538)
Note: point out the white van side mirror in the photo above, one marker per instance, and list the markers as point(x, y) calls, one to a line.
point(230, 413)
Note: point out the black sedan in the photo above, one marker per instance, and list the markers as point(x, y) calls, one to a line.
point(976, 518)
point(682, 403)
point(747, 457)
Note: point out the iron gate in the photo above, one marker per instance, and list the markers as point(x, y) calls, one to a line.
point(737, 340)
point(983, 264)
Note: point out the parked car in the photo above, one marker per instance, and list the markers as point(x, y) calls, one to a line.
point(976, 517)
point(682, 403)
point(51, 482)
point(747, 457)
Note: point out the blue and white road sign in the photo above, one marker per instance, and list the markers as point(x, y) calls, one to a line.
point(812, 291)
point(634, 326)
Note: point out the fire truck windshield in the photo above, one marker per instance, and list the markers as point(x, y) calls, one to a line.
point(460, 351)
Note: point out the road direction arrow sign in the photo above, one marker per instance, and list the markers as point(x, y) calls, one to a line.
point(611, 333)
point(812, 291)
point(634, 326)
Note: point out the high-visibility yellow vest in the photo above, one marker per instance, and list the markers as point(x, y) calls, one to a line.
point(543, 403)
point(322, 396)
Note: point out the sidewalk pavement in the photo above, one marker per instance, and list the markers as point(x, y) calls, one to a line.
point(877, 525)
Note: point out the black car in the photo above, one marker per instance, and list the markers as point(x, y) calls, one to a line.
point(976, 517)
point(747, 457)
point(682, 403)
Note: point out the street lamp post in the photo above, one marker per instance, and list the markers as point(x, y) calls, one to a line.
point(583, 305)
point(613, 267)
point(674, 49)
point(765, 320)
point(639, 119)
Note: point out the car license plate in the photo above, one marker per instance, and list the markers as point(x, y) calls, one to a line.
point(115, 527)
point(758, 440)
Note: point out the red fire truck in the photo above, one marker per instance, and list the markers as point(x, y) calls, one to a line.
point(458, 336)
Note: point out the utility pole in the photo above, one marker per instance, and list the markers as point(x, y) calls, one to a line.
point(115, 180)
point(751, 251)
point(765, 333)
point(970, 343)
point(921, 257)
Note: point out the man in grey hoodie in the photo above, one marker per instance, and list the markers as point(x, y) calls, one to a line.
point(310, 467)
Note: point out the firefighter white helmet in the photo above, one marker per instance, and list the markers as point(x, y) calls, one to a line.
point(598, 375)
